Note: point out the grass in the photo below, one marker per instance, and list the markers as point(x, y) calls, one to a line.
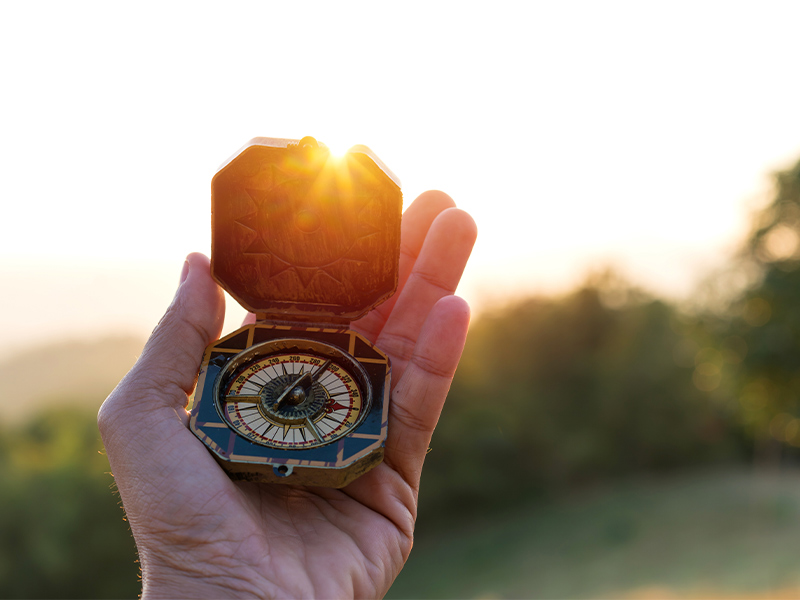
point(715, 534)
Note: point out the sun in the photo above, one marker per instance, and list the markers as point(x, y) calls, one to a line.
point(338, 146)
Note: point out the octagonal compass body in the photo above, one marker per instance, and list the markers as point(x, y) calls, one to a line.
point(307, 242)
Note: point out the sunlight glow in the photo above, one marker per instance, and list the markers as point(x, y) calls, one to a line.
point(337, 147)
point(646, 174)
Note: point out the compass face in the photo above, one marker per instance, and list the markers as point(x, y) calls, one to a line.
point(293, 394)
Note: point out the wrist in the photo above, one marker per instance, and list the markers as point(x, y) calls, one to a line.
point(162, 583)
point(176, 574)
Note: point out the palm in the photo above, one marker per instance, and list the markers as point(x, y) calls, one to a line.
point(292, 541)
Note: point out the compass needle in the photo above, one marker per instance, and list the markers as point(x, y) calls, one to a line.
point(323, 367)
point(243, 398)
point(313, 429)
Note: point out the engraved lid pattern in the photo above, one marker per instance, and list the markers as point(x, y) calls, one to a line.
point(297, 234)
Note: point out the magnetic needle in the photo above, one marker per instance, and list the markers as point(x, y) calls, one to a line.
point(307, 242)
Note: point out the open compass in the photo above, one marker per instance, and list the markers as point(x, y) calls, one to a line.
point(308, 243)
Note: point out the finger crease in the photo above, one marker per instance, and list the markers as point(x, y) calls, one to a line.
point(404, 249)
point(200, 331)
point(409, 419)
point(432, 281)
point(397, 345)
point(431, 367)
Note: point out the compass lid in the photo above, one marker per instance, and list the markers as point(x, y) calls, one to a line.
point(298, 234)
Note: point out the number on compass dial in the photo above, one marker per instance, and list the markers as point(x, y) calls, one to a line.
point(292, 401)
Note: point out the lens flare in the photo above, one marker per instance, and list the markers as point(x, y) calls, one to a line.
point(338, 148)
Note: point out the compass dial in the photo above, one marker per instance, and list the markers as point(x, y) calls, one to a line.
point(303, 396)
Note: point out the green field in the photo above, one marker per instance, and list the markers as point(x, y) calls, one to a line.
point(714, 534)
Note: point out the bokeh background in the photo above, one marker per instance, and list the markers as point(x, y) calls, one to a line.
point(626, 419)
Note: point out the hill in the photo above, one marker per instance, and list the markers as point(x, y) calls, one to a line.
point(72, 373)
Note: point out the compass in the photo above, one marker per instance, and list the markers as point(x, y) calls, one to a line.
point(307, 242)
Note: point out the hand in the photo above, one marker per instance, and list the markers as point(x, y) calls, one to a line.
point(198, 533)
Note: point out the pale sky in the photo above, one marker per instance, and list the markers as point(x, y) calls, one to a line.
point(578, 134)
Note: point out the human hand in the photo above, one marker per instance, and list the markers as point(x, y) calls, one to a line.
point(198, 533)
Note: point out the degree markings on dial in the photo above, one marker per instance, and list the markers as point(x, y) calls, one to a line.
point(335, 382)
point(257, 418)
point(255, 426)
point(272, 432)
point(250, 418)
point(266, 429)
point(327, 383)
point(330, 418)
point(258, 377)
point(267, 370)
point(249, 388)
point(331, 384)
point(247, 407)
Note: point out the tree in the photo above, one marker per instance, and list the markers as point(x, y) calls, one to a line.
point(766, 317)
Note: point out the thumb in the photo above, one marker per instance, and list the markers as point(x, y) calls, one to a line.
point(166, 371)
point(173, 353)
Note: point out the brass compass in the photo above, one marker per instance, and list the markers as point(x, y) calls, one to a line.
point(307, 242)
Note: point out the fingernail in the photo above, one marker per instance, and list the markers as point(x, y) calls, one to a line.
point(185, 271)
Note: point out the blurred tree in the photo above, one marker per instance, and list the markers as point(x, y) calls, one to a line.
point(557, 391)
point(766, 320)
point(62, 534)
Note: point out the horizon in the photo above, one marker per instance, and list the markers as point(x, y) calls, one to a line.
point(580, 137)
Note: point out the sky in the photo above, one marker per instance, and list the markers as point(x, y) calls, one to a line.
point(580, 136)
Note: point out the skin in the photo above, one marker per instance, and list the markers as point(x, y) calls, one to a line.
point(198, 533)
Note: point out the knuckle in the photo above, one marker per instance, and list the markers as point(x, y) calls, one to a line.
point(397, 344)
point(104, 419)
point(432, 367)
point(409, 419)
point(407, 251)
point(432, 280)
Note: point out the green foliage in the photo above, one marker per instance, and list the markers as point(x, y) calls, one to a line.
point(62, 533)
point(559, 391)
point(767, 319)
